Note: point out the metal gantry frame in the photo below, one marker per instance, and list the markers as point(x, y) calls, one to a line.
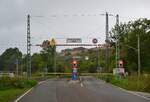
point(107, 42)
point(117, 42)
point(99, 45)
point(28, 48)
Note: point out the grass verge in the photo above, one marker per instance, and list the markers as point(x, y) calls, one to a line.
point(9, 95)
point(130, 83)
point(11, 88)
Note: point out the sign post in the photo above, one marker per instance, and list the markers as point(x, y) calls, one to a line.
point(95, 41)
point(120, 64)
point(120, 71)
point(74, 70)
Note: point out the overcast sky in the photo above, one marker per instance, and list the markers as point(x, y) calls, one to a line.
point(62, 19)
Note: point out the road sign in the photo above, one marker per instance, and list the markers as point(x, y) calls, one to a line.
point(74, 40)
point(75, 70)
point(52, 42)
point(95, 41)
point(74, 76)
point(74, 62)
point(118, 71)
point(120, 64)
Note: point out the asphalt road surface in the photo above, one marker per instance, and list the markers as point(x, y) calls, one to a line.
point(93, 90)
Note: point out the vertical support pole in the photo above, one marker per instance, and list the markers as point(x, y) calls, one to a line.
point(98, 60)
point(74, 70)
point(117, 42)
point(55, 60)
point(17, 72)
point(28, 48)
point(107, 41)
point(139, 59)
point(116, 54)
point(98, 63)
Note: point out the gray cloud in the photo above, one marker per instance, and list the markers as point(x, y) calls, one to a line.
point(13, 19)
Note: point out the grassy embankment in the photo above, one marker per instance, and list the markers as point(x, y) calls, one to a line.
point(130, 83)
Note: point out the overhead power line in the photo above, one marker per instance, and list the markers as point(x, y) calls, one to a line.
point(81, 15)
point(70, 15)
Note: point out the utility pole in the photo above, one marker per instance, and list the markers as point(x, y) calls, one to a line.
point(117, 42)
point(98, 59)
point(28, 48)
point(107, 42)
point(55, 54)
point(139, 59)
point(17, 74)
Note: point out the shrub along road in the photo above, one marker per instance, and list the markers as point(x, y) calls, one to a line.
point(10, 88)
point(93, 90)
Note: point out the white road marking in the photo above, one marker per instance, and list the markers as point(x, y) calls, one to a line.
point(23, 95)
point(131, 92)
point(27, 92)
point(81, 84)
point(139, 95)
point(41, 82)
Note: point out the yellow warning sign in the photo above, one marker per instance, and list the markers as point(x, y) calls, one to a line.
point(52, 42)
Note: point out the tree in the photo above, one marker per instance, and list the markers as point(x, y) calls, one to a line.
point(127, 34)
point(48, 54)
point(9, 58)
point(37, 63)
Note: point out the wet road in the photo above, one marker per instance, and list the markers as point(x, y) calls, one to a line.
point(93, 90)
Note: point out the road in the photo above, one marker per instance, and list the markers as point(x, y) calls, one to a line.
point(93, 90)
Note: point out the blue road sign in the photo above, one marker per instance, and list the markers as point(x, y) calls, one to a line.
point(74, 76)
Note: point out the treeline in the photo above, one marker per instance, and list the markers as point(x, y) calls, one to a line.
point(12, 58)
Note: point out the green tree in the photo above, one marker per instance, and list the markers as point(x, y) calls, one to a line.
point(37, 63)
point(48, 54)
point(9, 58)
point(127, 34)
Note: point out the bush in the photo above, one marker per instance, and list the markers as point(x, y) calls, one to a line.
point(25, 83)
point(107, 77)
point(6, 82)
